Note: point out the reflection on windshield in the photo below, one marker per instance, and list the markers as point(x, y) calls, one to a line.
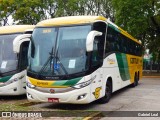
point(59, 51)
point(8, 59)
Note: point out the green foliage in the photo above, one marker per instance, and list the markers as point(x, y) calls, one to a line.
point(141, 18)
point(29, 11)
point(7, 8)
point(132, 15)
point(67, 7)
point(33, 11)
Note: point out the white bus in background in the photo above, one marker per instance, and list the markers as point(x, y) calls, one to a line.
point(14, 42)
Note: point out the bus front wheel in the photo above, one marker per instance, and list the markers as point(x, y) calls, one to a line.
point(108, 92)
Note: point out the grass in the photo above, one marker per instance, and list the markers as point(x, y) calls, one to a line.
point(72, 114)
point(13, 107)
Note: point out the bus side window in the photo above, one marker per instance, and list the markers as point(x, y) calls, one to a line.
point(126, 45)
point(107, 46)
point(109, 43)
point(113, 39)
point(117, 48)
point(23, 56)
point(95, 53)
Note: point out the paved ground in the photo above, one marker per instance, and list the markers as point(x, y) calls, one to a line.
point(144, 97)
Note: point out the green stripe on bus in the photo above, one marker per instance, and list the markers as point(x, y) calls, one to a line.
point(59, 83)
point(70, 82)
point(5, 79)
point(123, 66)
point(113, 27)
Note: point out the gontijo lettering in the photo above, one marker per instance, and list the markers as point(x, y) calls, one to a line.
point(42, 83)
point(134, 60)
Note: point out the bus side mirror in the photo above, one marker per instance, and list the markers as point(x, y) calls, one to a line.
point(90, 39)
point(19, 40)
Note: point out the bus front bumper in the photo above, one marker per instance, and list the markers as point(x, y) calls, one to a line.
point(76, 96)
point(15, 88)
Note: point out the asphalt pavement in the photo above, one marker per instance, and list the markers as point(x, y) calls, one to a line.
point(144, 99)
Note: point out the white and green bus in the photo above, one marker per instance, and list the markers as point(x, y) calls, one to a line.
point(80, 59)
point(14, 45)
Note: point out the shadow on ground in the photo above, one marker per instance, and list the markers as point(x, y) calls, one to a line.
point(13, 98)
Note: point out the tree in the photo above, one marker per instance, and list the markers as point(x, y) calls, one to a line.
point(7, 8)
point(71, 7)
point(29, 11)
point(99, 7)
point(141, 19)
point(50, 8)
point(33, 11)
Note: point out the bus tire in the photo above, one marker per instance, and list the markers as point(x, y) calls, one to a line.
point(108, 92)
point(138, 75)
point(135, 83)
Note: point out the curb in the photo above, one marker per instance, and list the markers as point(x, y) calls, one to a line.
point(90, 117)
point(150, 76)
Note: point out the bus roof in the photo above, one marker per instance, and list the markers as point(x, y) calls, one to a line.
point(15, 29)
point(70, 20)
point(73, 20)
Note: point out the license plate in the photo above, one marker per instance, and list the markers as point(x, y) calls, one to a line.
point(53, 100)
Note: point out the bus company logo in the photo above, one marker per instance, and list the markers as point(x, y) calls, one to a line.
point(111, 61)
point(52, 91)
point(97, 92)
point(134, 60)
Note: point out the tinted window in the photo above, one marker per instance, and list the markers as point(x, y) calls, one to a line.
point(23, 55)
point(117, 42)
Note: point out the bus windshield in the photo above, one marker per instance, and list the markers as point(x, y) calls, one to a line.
point(56, 51)
point(8, 59)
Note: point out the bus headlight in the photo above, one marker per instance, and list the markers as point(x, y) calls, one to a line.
point(30, 85)
point(13, 80)
point(83, 84)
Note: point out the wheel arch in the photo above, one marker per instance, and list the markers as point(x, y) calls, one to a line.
point(111, 81)
point(108, 78)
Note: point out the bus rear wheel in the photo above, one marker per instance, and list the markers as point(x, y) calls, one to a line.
point(108, 92)
point(135, 81)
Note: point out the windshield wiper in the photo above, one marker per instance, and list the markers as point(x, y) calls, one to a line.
point(58, 61)
point(55, 58)
point(49, 60)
